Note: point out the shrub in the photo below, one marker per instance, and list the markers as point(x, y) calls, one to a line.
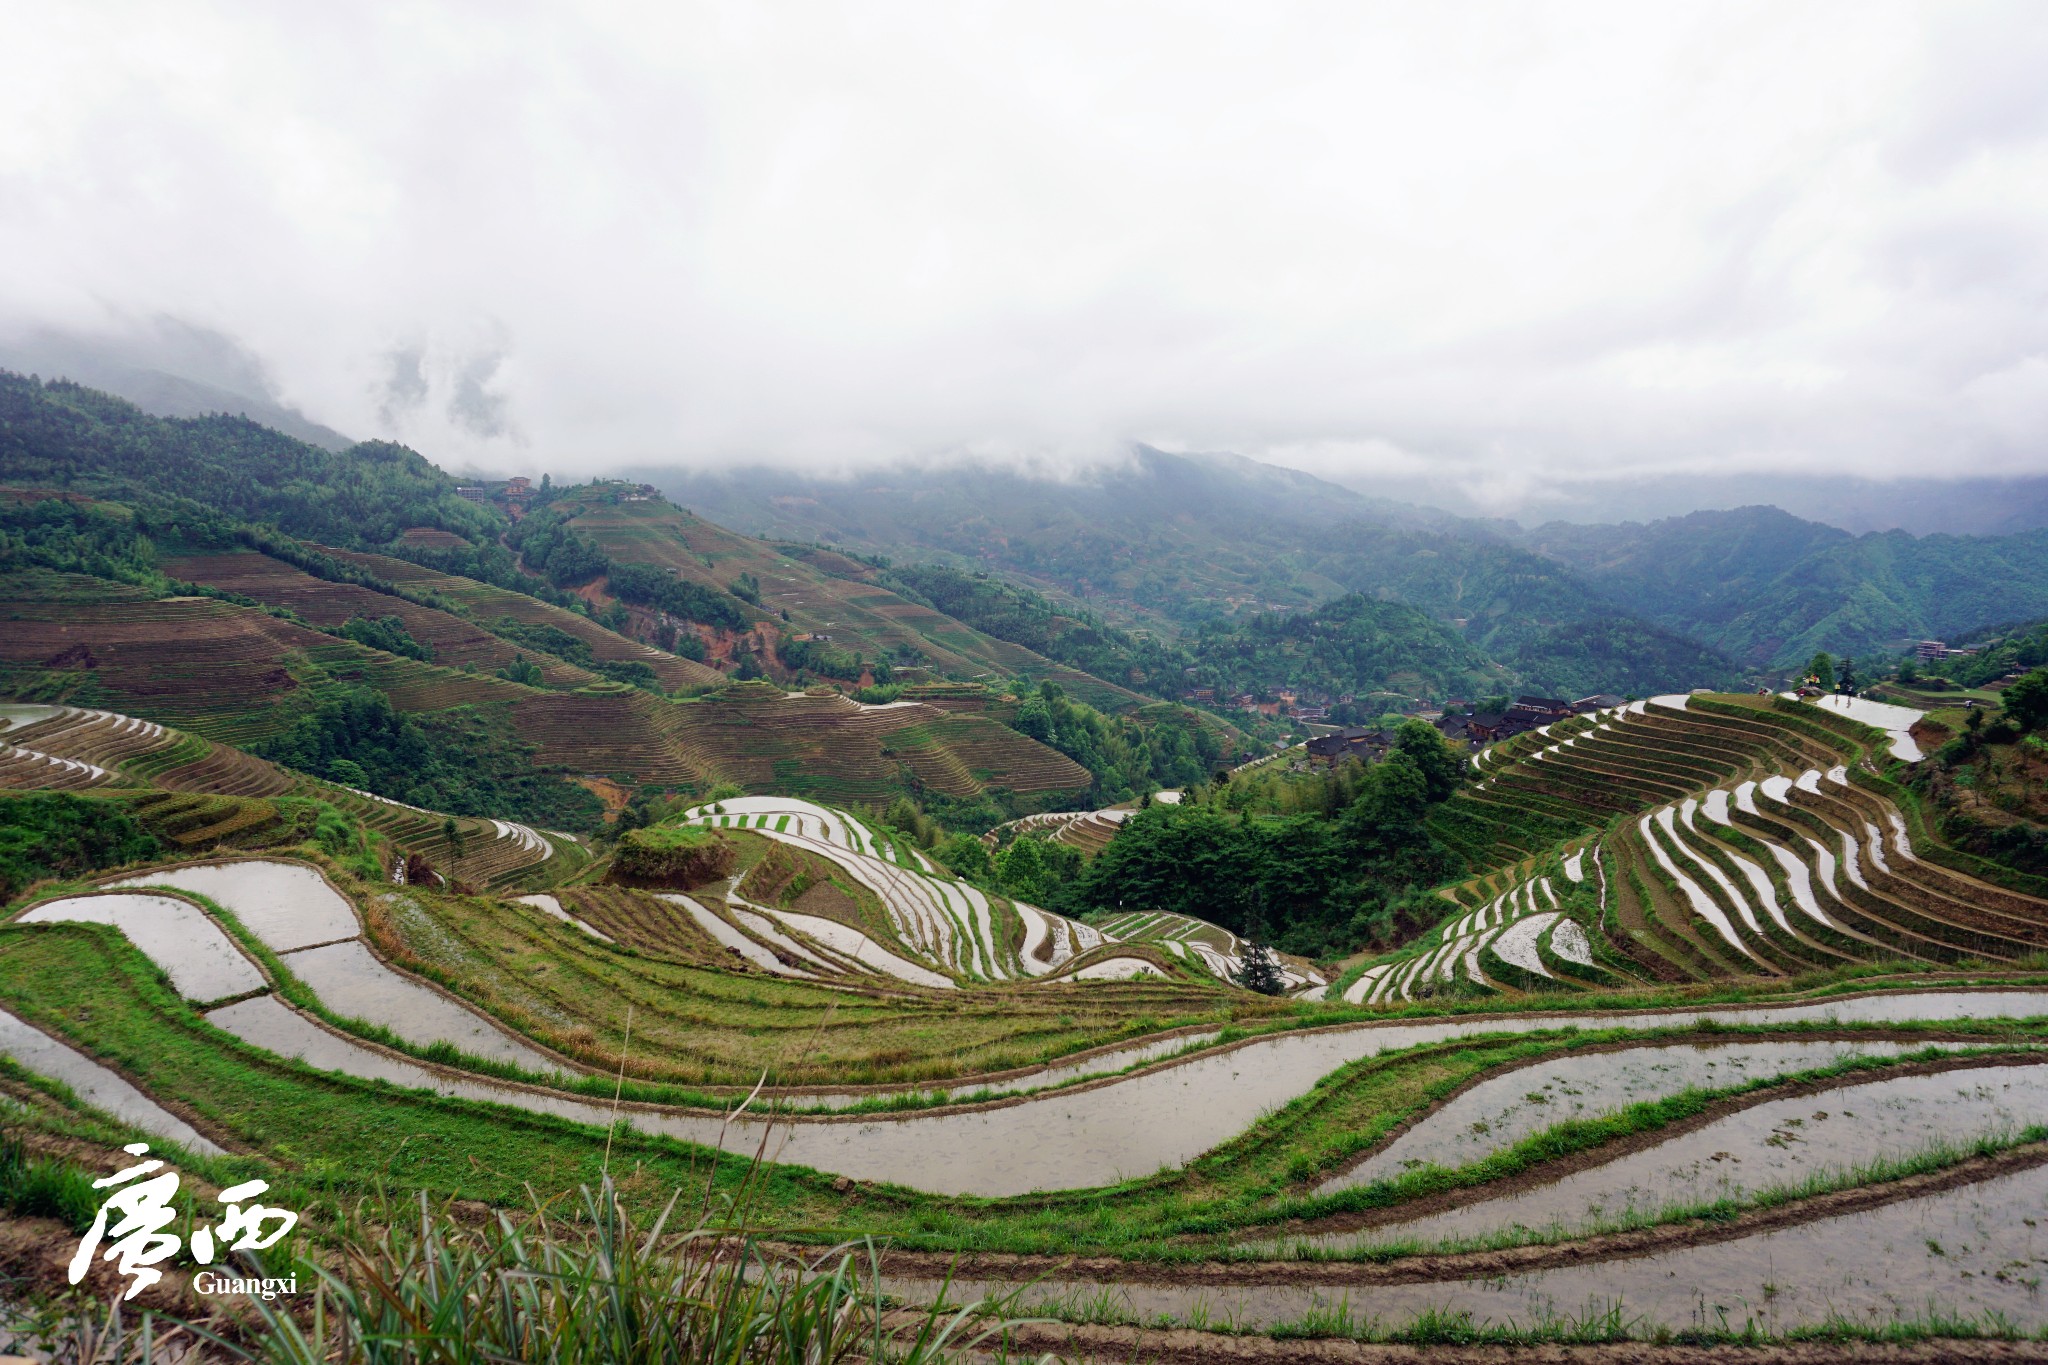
point(680, 856)
point(387, 633)
point(46, 834)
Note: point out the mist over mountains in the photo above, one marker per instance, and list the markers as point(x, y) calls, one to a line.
point(1179, 540)
point(168, 368)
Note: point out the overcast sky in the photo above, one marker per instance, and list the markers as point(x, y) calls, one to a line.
point(1522, 245)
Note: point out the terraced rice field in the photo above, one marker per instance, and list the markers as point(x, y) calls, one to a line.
point(233, 675)
point(1088, 830)
point(68, 748)
point(866, 617)
point(1746, 1051)
point(1216, 949)
point(452, 641)
point(1734, 838)
point(490, 604)
point(934, 930)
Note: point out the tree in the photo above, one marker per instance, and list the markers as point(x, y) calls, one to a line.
point(1384, 830)
point(968, 857)
point(521, 670)
point(2026, 701)
point(1846, 683)
point(1036, 868)
point(1442, 767)
point(1909, 672)
point(1820, 672)
point(1257, 971)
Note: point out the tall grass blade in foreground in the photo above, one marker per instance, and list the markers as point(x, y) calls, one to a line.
point(588, 1289)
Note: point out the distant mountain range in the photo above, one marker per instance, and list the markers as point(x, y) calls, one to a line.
point(1921, 506)
point(1180, 542)
point(1190, 538)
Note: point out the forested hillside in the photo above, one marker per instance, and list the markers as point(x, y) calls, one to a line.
point(1349, 645)
point(60, 435)
point(1138, 659)
point(1192, 543)
point(1772, 589)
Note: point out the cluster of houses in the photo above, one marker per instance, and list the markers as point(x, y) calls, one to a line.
point(1473, 729)
point(514, 493)
point(1284, 703)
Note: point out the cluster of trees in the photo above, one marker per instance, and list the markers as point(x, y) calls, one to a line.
point(827, 660)
point(461, 760)
point(387, 633)
point(1984, 783)
point(1821, 672)
point(566, 647)
point(1338, 866)
point(1125, 755)
point(109, 541)
point(548, 546)
point(63, 435)
point(1030, 867)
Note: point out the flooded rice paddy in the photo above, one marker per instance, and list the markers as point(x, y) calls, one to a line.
point(1080, 1137)
point(1972, 1252)
point(1040, 1078)
point(96, 1085)
point(1777, 1145)
point(353, 984)
point(1499, 1112)
point(1099, 1135)
point(550, 906)
point(286, 905)
point(194, 952)
point(21, 715)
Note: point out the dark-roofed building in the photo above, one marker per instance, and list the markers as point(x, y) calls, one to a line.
point(1599, 701)
point(1488, 726)
point(1536, 711)
point(1359, 741)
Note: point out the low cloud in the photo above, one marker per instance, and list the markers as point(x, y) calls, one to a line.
point(1522, 250)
